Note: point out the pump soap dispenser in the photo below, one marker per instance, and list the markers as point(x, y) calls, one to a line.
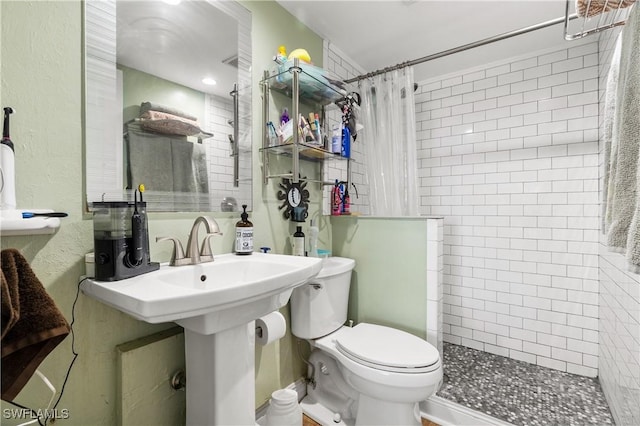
point(244, 233)
point(298, 242)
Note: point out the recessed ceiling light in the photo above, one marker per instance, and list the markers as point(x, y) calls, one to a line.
point(172, 2)
point(209, 81)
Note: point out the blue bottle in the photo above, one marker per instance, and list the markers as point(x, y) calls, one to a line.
point(346, 143)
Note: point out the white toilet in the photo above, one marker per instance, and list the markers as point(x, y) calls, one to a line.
point(362, 375)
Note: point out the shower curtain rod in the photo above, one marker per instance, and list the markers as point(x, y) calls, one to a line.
point(464, 47)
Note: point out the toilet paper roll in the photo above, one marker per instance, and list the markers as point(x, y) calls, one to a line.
point(270, 328)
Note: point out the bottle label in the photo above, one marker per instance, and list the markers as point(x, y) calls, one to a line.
point(244, 240)
point(298, 246)
point(345, 146)
point(336, 201)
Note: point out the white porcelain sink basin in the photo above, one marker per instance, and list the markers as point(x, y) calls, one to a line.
point(209, 297)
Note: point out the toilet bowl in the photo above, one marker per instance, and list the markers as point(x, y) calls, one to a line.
point(364, 375)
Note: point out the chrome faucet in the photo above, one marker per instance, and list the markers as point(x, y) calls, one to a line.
point(194, 255)
point(204, 254)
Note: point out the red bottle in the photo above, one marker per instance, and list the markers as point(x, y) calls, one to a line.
point(346, 203)
point(336, 200)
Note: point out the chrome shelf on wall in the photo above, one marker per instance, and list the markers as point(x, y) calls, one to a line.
point(306, 151)
point(300, 82)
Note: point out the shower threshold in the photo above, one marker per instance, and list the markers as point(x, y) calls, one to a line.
point(443, 412)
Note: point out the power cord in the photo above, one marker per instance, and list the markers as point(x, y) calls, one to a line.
point(33, 412)
point(73, 349)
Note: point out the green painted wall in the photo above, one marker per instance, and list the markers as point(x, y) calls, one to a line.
point(389, 283)
point(271, 27)
point(141, 87)
point(41, 72)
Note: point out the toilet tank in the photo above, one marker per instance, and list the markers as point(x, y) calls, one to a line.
point(320, 306)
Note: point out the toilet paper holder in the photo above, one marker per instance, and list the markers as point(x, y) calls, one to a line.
point(270, 328)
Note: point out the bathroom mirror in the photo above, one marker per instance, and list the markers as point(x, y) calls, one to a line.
point(150, 116)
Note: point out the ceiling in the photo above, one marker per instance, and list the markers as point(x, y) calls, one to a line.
point(373, 33)
point(178, 41)
point(378, 34)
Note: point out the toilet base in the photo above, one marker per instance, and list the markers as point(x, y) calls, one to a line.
point(332, 398)
point(370, 412)
point(329, 395)
point(374, 412)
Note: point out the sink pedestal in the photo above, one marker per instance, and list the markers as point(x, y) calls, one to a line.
point(221, 376)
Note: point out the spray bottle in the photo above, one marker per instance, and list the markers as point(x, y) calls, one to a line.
point(7, 166)
point(336, 199)
point(345, 148)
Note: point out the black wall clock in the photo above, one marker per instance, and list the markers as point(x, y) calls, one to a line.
point(295, 198)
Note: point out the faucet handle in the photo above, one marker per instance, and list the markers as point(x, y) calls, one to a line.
point(177, 257)
point(206, 255)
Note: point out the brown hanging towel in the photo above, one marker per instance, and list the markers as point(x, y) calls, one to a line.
point(32, 325)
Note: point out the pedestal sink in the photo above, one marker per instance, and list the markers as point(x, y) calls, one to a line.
point(217, 304)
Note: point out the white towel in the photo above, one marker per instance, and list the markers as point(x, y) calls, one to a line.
point(607, 131)
point(624, 210)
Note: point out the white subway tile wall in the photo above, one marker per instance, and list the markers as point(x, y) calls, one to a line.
point(508, 155)
point(435, 271)
point(218, 112)
point(344, 68)
point(619, 304)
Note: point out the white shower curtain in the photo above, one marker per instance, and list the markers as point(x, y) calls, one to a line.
point(389, 143)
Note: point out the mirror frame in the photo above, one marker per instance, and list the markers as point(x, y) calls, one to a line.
point(103, 153)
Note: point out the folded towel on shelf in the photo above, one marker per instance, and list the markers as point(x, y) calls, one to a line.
point(623, 211)
point(33, 328)
point(163, 122)
point(159, 115)
point(150, 106)
point(589, 8)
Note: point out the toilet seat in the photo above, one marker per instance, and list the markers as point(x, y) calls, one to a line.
point(387, 349)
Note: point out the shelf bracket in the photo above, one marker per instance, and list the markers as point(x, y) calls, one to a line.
point(295, 70)
point(265, 135)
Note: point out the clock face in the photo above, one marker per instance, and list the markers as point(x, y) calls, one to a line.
point(294, 197)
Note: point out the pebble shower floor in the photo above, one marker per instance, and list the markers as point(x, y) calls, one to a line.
point(521, 393)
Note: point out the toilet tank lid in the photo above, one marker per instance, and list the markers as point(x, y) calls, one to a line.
point(335, 265)
point(387, 347)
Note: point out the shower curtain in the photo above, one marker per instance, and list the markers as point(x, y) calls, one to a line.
point(389, 143)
